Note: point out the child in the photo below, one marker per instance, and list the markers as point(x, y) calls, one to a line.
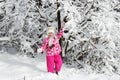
point(52, 48)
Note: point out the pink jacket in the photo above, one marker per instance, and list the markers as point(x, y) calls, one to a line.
point(56, 49)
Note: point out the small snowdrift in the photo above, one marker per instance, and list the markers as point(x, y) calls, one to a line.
point(15, 67)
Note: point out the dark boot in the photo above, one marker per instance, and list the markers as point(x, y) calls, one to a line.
point(56, 72)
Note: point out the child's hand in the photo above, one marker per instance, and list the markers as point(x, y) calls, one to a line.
point(39, 50)
point(65, 19)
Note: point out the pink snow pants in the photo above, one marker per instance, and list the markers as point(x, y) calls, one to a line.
point(54, 63)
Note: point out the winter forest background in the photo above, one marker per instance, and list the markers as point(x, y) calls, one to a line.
point(91, 39)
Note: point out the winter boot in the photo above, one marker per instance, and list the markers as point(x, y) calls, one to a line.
point(56, 72)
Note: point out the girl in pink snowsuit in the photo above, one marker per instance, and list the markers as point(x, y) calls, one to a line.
point(52, 48)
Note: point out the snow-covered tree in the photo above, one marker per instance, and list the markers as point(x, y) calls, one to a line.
point(93, 34)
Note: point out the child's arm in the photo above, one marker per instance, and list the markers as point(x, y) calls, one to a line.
point(43, 47)
point(61, 31)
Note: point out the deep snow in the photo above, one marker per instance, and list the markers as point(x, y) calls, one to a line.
point(16, 67)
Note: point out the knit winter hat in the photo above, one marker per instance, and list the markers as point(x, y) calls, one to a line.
point(50, 29)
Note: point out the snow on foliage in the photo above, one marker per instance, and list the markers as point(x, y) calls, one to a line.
point(91, 34)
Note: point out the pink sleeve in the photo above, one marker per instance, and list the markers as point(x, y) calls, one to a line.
point(44, 45)
point(61, 31)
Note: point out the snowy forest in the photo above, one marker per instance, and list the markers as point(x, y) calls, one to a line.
point(91, 38)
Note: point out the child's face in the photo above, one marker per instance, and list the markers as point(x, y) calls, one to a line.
point(50, 34)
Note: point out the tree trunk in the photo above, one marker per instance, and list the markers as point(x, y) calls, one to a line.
point(59, 22)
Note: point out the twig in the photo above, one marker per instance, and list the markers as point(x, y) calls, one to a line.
point(89, 8)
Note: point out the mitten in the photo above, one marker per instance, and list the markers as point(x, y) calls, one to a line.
point(39, 50)
point(65, 19)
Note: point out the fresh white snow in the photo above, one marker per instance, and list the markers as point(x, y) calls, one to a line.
point(4, 39)
point(16, 67)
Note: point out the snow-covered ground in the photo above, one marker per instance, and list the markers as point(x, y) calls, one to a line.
point(15, 67)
